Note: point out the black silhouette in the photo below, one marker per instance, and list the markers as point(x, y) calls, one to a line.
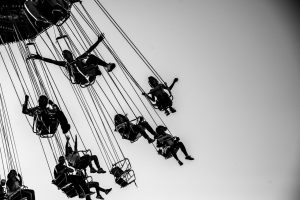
point(82, 69)
point(131, 131)
point(72, 185)
point(157, 94)
point(47, 116)
point(169, 145)
point(15, 188)
point(81, 162)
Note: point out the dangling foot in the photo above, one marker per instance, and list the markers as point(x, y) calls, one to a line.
point(93, 170)
point(172, 110)
point(167, 112)
point(92, 78)
point(98, 73)
point(180, 163)
point(66, 128)
point(110, 67)
point(108, 191)
point(101, 171)
point(99, 197)
point(150, 140)
point(189, 157)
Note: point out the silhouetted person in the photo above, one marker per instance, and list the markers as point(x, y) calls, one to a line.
point(14, 183)
point(3, 194)
point(158, 95)
point(168, 144)
point(47, 115)
point(81, 162)
point(84, 65)
point(130, 131)
point(94, 184)
point(61, 171)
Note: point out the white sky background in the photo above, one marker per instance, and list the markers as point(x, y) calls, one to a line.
point(238, 101)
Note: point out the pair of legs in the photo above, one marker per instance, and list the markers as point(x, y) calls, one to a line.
point(140, 129)
point(92, 62)
point(147, 126)
point(165, 103)
point(173, 151)
point(98, 189)
point(29, 194)
point(86, 160)
point(79, 184)
point(92, 70)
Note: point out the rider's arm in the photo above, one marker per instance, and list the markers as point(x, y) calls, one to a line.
point(56, 62)
point(100, 38)
point(174, 81)
point(25, 105)
point(75, 145)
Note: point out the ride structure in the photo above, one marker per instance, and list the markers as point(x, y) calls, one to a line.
point(25, 32)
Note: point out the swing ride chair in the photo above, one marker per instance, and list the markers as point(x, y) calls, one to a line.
point(164, 151)
point(123, 173)
point(66, 187)
point(131, 132)
point(156, 105)
point(40, 128)
point(71, 76)
point(59, 22)
point(83, 153)
point(16, 195)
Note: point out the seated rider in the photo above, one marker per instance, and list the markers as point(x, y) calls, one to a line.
point(158, 95)
point(48, 11)
point(47, 115)
point(61, 172)
point(14, 186)
point(81, 162)
point(3, 194)
point(168, 144)
point(130, 131)
point(84, 65)
point(93, 184)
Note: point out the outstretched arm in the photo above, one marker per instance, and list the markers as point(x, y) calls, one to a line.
point(174, 81)
point(75, 145)
point(67, 145)
point(25, 105)
point(56, 62)
point(100, 38)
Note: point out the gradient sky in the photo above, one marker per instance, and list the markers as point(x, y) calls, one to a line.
point(238, 100)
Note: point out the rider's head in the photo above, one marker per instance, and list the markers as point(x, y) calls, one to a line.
point(12, 173)
point(3, 181)
point(161, 130)
point(67, 55)
point(43, 101)
point(153, 82)
point(119, 119)
point(61, 160)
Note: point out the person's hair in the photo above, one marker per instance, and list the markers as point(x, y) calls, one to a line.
point(119, 119)
point(66, 51)
point(152, 80)
point(161, 129)
point(3, 181)
point(61, 159)
point(11, 172)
